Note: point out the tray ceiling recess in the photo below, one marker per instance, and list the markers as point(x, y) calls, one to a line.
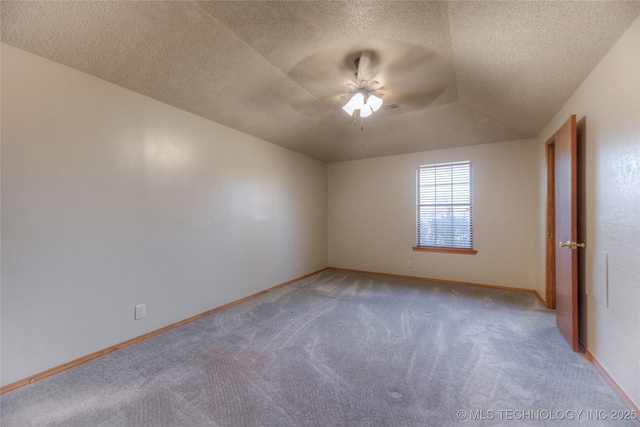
point(449, 73)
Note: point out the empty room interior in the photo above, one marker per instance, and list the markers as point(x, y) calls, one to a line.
point(320, 213)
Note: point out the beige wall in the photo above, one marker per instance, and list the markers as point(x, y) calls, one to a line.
point(609, 103)
point(372, 215)
point(111, 199)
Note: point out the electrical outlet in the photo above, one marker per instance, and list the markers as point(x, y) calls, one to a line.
point(409, 264)
point(141, 311)
point(297, 265)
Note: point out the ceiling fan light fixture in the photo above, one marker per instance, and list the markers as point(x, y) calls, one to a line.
point(374, 102)
point(355, 103)
point(365, 111)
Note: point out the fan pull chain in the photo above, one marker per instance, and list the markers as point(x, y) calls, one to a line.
point(356, 114)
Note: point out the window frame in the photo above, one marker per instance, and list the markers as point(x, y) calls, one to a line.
point(437, 248)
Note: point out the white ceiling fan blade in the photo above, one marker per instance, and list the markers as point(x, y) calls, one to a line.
point(363, 67)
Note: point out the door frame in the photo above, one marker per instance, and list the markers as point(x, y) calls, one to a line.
point(550, 227)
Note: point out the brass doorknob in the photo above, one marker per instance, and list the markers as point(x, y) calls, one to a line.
point(564, 244)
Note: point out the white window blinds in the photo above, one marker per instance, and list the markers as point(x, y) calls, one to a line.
point(444, 203)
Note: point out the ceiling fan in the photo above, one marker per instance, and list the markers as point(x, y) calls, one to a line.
point(404, 77)
point(364, 93)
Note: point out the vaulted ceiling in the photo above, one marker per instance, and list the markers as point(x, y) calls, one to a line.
point(452, 73)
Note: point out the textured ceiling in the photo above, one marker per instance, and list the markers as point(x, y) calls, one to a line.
point(461, 73)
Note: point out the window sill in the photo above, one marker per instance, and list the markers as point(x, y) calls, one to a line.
point(463, 251)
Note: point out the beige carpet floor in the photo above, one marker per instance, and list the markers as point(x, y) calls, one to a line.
point(338, 349)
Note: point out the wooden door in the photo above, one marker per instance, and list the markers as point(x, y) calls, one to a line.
point(566, 230)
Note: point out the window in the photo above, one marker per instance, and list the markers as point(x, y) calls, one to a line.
point(444, 208)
